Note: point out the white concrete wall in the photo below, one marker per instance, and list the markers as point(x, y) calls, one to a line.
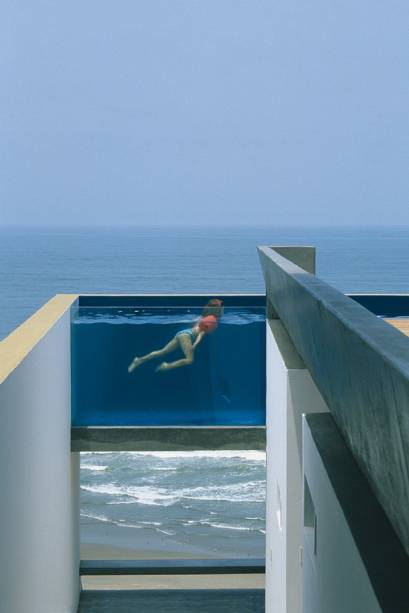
point(290, 393)
point(335, 579)
point(39, 480)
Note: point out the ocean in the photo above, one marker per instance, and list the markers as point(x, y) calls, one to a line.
point(206, 504)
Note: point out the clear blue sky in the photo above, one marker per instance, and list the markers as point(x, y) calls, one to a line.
point(204, 111)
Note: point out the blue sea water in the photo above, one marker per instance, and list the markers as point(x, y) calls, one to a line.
point(36, 264)
point(205, 503)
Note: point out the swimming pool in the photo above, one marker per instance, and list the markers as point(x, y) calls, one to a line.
point(225, 385)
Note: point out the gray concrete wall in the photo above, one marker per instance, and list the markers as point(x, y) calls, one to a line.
point(353, 559)
point(39, 480)
point(290, 393)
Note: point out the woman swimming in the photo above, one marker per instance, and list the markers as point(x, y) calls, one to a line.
point(187, 340)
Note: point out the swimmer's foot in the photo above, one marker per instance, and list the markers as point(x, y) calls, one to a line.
point(162, 367)
point(134, 364)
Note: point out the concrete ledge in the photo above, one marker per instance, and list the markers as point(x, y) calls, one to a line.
point(17, 345)
point(301, 255)
point(189, 438)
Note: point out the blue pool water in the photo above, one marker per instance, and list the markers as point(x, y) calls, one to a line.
point(224, 386)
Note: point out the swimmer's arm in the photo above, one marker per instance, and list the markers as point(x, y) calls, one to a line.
point(198, 339)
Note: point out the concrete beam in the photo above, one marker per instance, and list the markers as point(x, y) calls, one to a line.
point(106, 438)
point(360, 364)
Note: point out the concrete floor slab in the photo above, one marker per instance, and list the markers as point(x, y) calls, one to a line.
point(172, 601)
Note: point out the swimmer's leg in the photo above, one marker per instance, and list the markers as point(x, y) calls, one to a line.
point(186, 346)
point(137, 361)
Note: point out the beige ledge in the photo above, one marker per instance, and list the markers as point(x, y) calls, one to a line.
point(18, 344)
point(400, 324)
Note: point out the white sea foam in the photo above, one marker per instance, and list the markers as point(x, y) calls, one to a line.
point(121, 501)
point(98, 517)
point(93, 467)
point(251, 491)
point(202, 522)
point(229, 527)
point(255, 518)
point(144, 494)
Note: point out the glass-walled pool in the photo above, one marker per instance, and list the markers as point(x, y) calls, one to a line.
point(153, 362)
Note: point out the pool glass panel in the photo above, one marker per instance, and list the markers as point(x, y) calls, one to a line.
point(225, 384)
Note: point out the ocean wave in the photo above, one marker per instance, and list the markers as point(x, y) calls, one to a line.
point(250, 491)
point(144, 494)
point(215, 492)
point(122, 523)
point(248, 455)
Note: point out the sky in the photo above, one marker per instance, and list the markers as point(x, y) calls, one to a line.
point(227, 112)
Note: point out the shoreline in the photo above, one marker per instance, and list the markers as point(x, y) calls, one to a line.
point(99, 551)
point(104, 540)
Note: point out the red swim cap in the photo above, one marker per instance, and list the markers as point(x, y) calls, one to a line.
point(208, 323)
